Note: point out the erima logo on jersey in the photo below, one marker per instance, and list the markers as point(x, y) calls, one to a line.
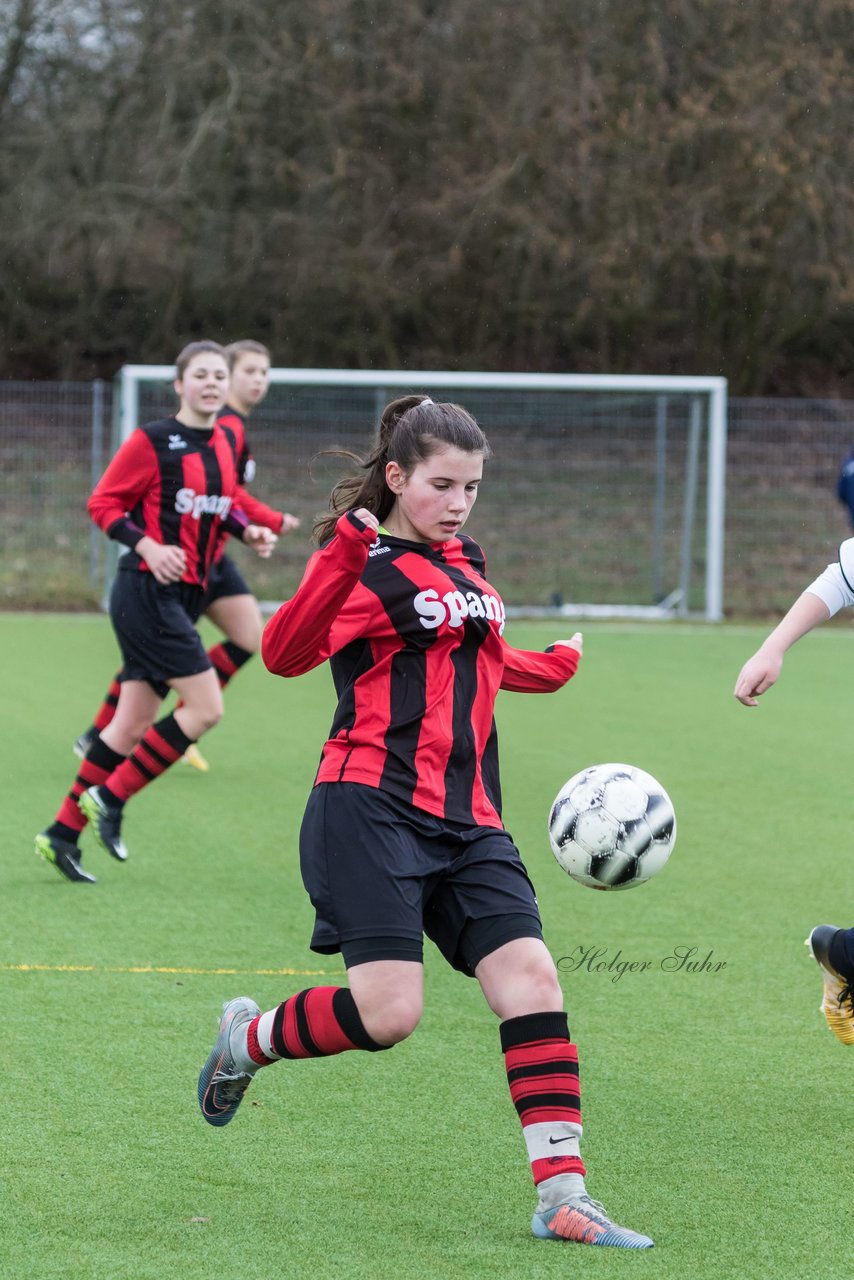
point(377, 550)
point(177, 442)
point(454, 608)
point(188, 502)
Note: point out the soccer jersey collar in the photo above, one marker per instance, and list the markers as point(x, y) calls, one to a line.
point(203, 434)
point(424, 546)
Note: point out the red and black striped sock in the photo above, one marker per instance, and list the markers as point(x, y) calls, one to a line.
point(107, 709)
point(163, 744)
point(227, 659)
point(542, 1071)
point(315, 1023)
point(99, 763)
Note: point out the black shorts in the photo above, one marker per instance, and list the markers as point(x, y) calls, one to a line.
point(155, 628)
point(225, 579)
point(381, 873)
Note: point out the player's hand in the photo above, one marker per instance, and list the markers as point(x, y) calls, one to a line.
point(261, 540)
point(167, 563)
point(367, 518)
point(574, 642)
point(289, 522)
point(757, 675)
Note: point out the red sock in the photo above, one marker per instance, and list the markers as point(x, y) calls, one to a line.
point(542, 1071)
point(99, 763)
point(315, 1023)
point(227, 659)
point(163, 744)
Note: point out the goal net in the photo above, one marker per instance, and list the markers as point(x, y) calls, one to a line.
point(604, 498)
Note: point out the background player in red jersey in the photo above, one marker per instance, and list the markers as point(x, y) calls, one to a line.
point(229, 602)
point(402, 833)
point(166, 495)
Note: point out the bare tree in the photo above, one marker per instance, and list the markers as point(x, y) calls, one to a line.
point(606, 185)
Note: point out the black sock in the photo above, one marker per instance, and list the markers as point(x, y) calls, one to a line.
point(59, 831)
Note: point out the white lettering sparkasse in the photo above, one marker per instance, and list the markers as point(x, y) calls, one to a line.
point(455, 606)
point(190, 503)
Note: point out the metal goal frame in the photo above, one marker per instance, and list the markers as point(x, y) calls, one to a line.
point(708, 410)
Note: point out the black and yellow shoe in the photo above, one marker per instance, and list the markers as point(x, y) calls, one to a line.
point(837, 1002)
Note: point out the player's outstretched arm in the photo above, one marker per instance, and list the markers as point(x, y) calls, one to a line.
point(758, 674)
point(526, 671)
point(575, 641)
point(763, 669)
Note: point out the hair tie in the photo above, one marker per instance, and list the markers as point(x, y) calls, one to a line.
point(426, 400)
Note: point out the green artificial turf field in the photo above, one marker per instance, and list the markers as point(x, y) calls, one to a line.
point(718, 1107)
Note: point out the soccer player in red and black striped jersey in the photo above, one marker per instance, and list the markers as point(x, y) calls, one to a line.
point(402, 833)
point(167, 495)
point(229, 602)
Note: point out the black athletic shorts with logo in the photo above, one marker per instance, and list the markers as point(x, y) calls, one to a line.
point(381, 873)
point(225, 579)
point(155, 628)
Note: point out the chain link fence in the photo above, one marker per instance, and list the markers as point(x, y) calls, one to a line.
point(783, 519)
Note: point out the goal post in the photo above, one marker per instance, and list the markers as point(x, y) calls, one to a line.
point(605, 497)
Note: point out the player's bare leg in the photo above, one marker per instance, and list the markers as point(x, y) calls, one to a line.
point(159, 747)
point(239, 619)
point(381, 1007)
point(58, 844)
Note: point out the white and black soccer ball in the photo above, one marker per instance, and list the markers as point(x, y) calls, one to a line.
point(612, 826)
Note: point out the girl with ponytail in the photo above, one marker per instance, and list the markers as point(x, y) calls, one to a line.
point(402, 834)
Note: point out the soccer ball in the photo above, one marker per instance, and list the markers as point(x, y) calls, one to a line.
point(612, 826)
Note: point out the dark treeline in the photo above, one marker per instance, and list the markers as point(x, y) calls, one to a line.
point(602, 185)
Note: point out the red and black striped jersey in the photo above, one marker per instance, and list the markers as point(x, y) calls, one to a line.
point(176, 484)
point(414, 634)
point(257, 511)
